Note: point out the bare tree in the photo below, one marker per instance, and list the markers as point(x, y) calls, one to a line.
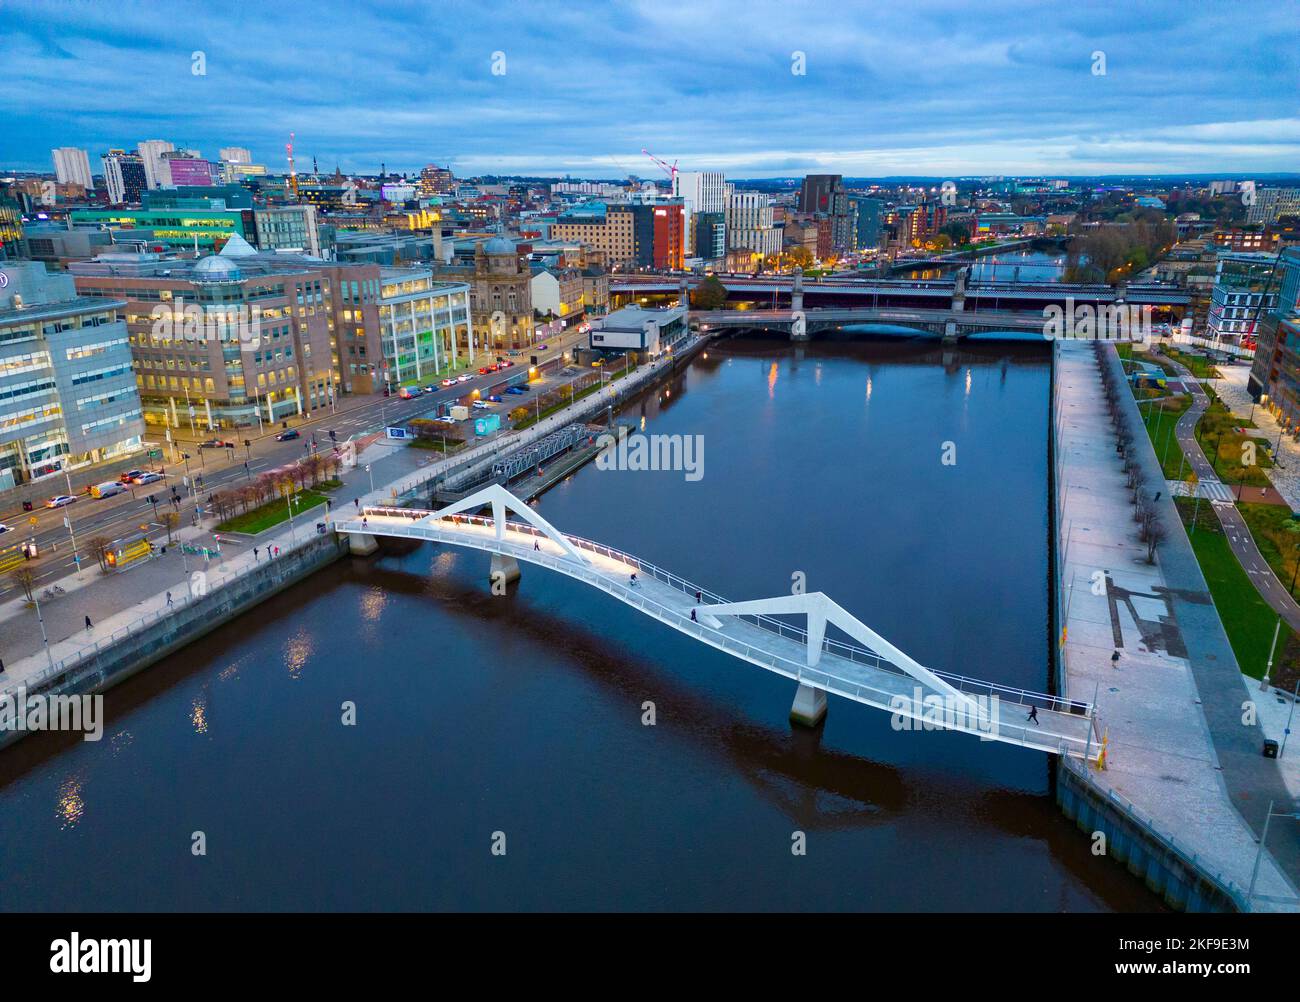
point(25, 578)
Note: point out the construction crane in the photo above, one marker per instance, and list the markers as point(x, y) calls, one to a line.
point(670, 168)
point(293, 173)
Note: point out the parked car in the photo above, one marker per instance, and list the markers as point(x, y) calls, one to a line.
point(482, 405)
point(286, 436)
point(59, 500)
point(494, 398)
point(514, 389)
point(130, 476)
point(148, 477)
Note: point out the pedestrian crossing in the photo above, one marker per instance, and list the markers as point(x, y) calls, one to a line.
point(1211, 490)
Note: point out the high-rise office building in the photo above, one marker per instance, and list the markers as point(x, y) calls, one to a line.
point(236, 155)
point(124, 177)
point(155, 168)
point(72, 166)
point(68, 396)
point(186, 170)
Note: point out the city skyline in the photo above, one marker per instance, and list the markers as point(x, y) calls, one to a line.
point(581, 93)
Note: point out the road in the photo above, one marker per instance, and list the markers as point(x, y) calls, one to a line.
point(1273, 591)
point(124, 514)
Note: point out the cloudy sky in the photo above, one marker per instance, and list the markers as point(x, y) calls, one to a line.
point(931, 88)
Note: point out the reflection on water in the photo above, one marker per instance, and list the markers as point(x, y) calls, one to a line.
point(524, 713)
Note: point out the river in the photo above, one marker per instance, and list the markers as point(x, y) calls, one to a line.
point(524, 715)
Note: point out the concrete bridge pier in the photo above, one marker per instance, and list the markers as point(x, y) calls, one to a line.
point(809, 707)
point(504, 569)
point(949, 331)
point(361, 544)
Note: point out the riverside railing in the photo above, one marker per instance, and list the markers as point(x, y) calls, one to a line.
point(216, 580)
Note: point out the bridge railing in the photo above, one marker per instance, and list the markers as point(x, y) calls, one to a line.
point(418, 527)
point(839, 648)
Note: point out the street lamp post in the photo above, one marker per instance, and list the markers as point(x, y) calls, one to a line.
point(44, 636)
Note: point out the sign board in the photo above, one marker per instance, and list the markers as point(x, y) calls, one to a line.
point(396, 432)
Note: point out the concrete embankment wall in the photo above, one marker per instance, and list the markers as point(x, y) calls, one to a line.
point(190, 621)
point(1131, 842)
point(1166, 871)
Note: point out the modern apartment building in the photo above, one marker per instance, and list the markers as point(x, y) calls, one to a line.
point(67, 389)
point(1245, 288)
point(287, 227)
point(124, 177)
point(155, 168)
point(1271, 204)
point(1275, 375)
point(749, 223)
point(72, 166)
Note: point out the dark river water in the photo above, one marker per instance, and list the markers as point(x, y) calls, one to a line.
point(522, 714)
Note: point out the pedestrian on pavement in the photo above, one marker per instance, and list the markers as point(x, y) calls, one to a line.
point(365, 521)
point(254, 554)
point(357, 502)
point(277, 551)
point(536, 546)
point(2, 666)
point(693, 619)
point(1033, 714)
point(1114, 660)
point(89, 625)
point(169, 598)
point(634, 579)
point(699, 596)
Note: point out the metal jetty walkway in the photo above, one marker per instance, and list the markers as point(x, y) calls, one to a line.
point(870, 671)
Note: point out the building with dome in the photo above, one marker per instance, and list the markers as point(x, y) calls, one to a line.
point(501, 301)
point(248, 339)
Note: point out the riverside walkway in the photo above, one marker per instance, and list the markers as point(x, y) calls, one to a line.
point(1180, 757)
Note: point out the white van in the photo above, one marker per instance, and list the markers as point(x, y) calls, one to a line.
point(107, 490)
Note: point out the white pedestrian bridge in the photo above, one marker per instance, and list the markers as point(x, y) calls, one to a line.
point(866, 668)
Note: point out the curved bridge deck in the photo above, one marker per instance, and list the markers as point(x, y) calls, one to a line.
point(985, 709)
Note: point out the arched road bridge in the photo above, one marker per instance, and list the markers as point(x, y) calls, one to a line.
point(867, 670)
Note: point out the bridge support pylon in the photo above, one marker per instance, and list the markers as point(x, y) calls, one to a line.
point(361, 544)
point(809, 707)
point(504, 569)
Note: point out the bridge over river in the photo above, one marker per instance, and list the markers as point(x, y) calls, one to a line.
point(866, 668)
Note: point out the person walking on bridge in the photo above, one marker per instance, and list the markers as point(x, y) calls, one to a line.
point(89, 625)
point(1033, 714)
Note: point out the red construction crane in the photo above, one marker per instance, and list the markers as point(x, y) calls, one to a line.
point(671, 168)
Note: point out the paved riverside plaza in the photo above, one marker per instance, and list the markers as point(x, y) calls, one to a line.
point(1171, 706)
